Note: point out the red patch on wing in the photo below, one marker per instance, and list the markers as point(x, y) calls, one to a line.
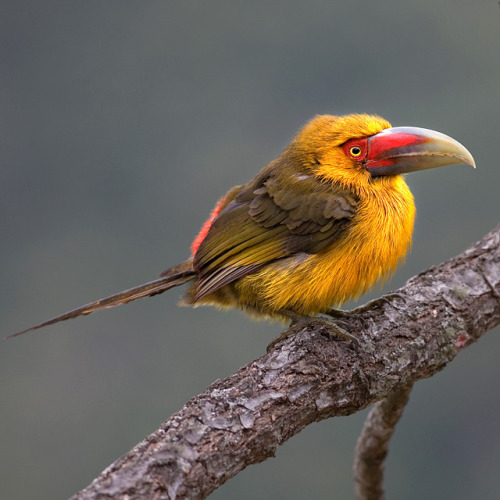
point(206, 226)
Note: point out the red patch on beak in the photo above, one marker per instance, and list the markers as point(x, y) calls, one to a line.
point(381, 145)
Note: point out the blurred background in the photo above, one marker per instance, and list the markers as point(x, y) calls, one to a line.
point(122, 123)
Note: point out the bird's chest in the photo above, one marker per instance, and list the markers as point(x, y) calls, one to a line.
point(378, 237)
point(375, 240)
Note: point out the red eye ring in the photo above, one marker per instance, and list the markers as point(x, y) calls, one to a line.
point(356, 148)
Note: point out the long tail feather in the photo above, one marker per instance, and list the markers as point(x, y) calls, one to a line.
point(147, 289)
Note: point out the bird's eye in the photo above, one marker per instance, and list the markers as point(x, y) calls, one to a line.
point(356, 148)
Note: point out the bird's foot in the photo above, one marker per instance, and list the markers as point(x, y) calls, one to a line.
point(338, 314)
point(325, 326)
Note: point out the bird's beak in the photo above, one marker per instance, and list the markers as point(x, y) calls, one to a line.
point(406, 149)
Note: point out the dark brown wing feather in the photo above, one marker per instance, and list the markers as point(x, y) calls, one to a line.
point(271, 218)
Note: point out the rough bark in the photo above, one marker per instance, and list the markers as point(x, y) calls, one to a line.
point(310, 376)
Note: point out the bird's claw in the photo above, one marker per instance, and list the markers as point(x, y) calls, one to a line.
point(387, 299)
point(340, 332)
point(326, 327)
point(338, 314)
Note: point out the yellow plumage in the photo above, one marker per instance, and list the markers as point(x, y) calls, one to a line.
point(377, 237)
point(377, 240)
point(319, 225)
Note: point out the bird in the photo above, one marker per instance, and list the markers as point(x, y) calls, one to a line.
point(321, 224)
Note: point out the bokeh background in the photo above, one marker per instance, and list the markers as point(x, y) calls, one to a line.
point(121, 124)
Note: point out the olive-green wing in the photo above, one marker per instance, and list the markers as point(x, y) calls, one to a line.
point(271, 218)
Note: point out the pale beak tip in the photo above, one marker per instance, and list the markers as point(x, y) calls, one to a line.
point(470, 161)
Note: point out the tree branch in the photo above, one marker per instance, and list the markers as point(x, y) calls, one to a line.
point(373, 444)
point(242, 420)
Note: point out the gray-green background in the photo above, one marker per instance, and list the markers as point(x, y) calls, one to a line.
point(121, 124)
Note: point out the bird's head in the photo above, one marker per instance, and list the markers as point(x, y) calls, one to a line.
point(355, 150)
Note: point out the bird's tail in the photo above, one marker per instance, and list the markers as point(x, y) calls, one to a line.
point(155, 287)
